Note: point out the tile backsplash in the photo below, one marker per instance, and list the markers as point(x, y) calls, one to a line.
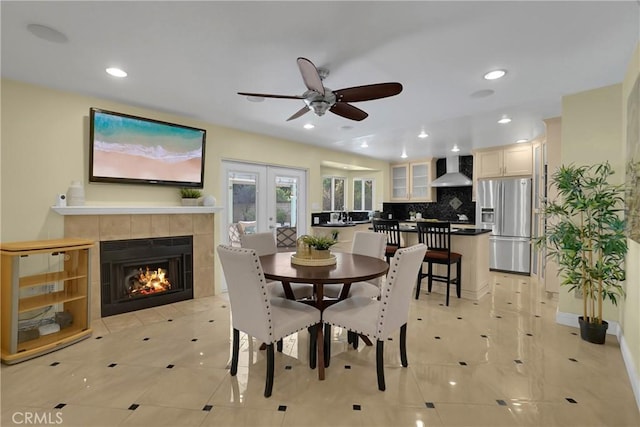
point(451, 201)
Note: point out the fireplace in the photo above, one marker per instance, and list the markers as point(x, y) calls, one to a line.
point(143, 273)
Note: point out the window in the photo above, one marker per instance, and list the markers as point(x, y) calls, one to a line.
point(363, 194)
point(333, 195)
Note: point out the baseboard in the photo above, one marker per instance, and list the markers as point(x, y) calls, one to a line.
point(631, 368)
point(571, 319)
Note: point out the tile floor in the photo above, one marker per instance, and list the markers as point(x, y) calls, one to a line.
point(501, 361)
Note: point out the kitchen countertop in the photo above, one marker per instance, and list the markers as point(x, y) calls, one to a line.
point(341, 224)
point(454, 231)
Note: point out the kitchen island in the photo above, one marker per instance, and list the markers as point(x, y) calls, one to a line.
point(473, 245)
point(345, 231)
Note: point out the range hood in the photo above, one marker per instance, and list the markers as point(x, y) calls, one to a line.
point(453, 177)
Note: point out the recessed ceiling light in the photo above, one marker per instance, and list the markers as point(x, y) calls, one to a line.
point(482, 93)
point(455, 149)
point(364, 144)
point(403, 155)
point(504, 120)
point(308, 126)
point(47, 33)
point(116, 72)
point(520, 141)
point(495, 74)
point(423, 134)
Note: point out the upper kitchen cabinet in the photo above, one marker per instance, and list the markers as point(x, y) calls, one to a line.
point(515, 160)
point(412, 181)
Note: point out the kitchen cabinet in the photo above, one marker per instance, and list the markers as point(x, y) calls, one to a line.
point(412, 181)
point(45, 296)
point(515, 160)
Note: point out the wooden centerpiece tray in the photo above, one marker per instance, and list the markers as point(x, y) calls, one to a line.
point(313, 262)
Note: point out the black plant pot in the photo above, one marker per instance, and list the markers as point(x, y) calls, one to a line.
point(593, 332)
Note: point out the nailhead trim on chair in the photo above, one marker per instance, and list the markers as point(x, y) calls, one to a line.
point(262, 281)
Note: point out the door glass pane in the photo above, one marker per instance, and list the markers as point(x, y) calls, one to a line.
point(286, 203)
point(242, 194)
point(399, 182)
point(286, 200)
point(419, 180)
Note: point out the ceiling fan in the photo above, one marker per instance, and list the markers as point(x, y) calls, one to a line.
point(319, 98)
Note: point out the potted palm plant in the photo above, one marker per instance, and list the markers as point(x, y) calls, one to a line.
point(586, 237)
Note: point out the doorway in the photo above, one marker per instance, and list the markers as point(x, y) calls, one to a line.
point(263, 198)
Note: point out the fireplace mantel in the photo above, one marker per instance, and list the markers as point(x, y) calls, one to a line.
point(134, 210)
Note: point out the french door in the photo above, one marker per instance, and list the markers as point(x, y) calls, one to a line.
point(261, 198)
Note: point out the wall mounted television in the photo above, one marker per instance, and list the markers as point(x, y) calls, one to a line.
point(136, 150)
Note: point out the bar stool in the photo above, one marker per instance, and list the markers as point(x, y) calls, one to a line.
point(437, 237)
point(390, 227)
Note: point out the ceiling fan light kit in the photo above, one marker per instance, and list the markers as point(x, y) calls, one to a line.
point(321, 99)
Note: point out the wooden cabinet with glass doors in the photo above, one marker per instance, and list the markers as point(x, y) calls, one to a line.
point(412, 181)
point(44, 296)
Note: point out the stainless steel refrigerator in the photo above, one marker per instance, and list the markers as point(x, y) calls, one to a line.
point(504, 206)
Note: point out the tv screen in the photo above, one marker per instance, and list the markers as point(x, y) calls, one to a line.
point(130, 149)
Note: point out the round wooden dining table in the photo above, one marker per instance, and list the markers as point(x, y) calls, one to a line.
point(349, 268)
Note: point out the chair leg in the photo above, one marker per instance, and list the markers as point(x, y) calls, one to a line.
point(458, 274)
point(279, 346)
point(235, 352)
point(430, 273)
point(349, 337)
point(313, 346)
point(380, 364)
point(356, 338)
point(327, 344)
point(403, 345)
point(448, 281)
point(418, 282)
point(268, 387)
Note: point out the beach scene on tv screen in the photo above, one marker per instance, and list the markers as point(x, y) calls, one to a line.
point(125, 147)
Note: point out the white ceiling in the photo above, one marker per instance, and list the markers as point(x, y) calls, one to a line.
point(190, 58)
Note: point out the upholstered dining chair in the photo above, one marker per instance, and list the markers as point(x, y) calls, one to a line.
point(378, 319)
point(391, 229)
point(437, 237)
point(369, 244)
point(265, 244)
point(253, 312)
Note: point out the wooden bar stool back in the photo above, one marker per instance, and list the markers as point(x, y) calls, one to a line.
point(437, 237)
point(390, 227)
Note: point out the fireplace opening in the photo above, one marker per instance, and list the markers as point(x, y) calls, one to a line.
point(143, 273)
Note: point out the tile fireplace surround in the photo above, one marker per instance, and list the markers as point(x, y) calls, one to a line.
point(104, 226)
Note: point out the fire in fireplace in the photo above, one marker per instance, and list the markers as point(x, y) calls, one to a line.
point(142, 273)
point(147, 282)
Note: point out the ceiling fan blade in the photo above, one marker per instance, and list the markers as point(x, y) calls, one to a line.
point(266, 95)
point(310, 75)
point(348, 111)
point(299, 113)
point(368, 92)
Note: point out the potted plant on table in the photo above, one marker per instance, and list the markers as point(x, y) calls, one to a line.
point(320, 245)
point(586, 236)
point(190, 196)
